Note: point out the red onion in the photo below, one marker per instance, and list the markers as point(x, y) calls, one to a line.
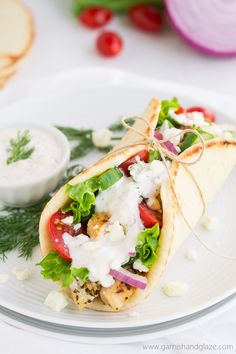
point(168, 144)
point(137, 281)
point(208, 26)
point(132, 254)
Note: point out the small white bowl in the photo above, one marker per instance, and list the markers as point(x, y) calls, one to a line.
point(23, 193)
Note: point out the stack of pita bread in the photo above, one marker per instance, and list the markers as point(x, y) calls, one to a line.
point(16, 37)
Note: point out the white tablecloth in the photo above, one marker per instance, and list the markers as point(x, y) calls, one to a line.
point(61, 44)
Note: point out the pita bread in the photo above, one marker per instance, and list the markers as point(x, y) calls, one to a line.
point(16, 28)
point(210, 173)
point(16, 33)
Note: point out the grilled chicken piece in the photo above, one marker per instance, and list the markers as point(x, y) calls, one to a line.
point(96, 224)
point(116, 295)
point(86, 293)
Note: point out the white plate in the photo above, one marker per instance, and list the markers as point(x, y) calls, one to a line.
point(96, 98)
point(117, 335)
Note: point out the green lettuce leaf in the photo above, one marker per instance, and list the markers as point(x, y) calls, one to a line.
point(148, 245)
point(83, 194)
point(58, 269)
point(166, 105)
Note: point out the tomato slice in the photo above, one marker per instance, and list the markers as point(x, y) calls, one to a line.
point(143, 155)
point(56, 230)
point(207, 114)
point(95, 16)
point(180, 110)
point(146, 17)
point(148, 216)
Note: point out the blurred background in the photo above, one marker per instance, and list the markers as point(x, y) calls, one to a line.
point(63, 42)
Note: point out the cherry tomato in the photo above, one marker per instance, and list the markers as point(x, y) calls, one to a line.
point(95, 17)
point(148, 216)
point(180, 110)
point(146, 17)
point(109, 44)
point(57, 229)
point(143, 155)
point(207, 114)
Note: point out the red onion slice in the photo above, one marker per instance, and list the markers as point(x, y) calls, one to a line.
point(132, 254)
point(137, 281)
point(168, 144)
point(208, 26)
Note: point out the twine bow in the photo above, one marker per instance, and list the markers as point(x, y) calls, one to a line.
point(158, 144)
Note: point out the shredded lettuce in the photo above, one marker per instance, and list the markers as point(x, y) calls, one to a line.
point(148, 245)
point(58, 269)
point(83, 194)
point(166, 105)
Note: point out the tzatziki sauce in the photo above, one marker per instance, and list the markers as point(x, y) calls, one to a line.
point(45, 156)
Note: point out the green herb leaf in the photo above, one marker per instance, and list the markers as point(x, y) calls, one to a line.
point(73, 133)
point(153, 155)
point(84, 142)
point(119, 126)
point(18, 147)
point(148, 244)
point(58, 269)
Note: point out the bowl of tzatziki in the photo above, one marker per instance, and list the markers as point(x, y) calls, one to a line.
point(33, 160)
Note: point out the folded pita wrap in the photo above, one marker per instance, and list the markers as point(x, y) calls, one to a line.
point(207, 176)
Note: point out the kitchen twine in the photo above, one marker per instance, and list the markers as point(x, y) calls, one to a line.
point(164, 152)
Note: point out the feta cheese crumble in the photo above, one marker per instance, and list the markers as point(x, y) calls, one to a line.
point(210, 223)
point(102, 138)
point(4, 278)
point(175, 288)
point(68, 220)
point(21, 273)
point(138, 265)
point(56, 301)
point(191, 255)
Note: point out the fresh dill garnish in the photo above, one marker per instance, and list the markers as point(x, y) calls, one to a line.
point(18, 149)
point(19, 229)
point(84, 142)
point(116, 127)
point(73, 133)
point(19, 226)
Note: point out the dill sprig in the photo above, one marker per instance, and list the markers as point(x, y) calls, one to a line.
point(18, 147)
point(19, 229)
point(84, 142)
point(19, 226)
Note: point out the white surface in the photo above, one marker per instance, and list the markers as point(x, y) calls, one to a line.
point(69, 103)
point(60, 45)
